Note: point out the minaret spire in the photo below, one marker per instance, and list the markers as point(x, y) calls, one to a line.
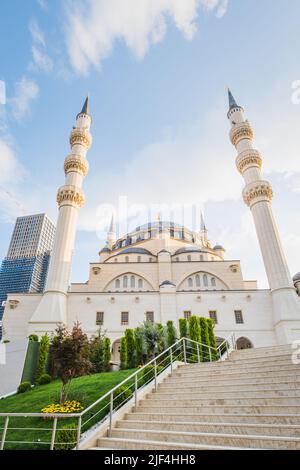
point(203, 230)
point(70, 198)
point(112, 233)
point(232, 102)
point(258, 196)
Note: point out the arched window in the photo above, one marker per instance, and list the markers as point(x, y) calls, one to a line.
point(125, 282)
point(116, 260)
point(205, 280)
point(213, 281)
point(190, 282)
point(118, 284)
point(140, 283)
point(126, 259)
point(197, 280)
point(177, 259)
point(132, 281)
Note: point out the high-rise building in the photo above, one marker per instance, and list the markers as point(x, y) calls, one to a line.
point(25, 267)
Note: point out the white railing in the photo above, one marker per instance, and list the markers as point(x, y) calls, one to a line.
point(184, 350)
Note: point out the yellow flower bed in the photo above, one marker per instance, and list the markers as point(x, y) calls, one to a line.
point(67, 407)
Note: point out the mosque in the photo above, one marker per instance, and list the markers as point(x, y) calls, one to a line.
point(163, 271)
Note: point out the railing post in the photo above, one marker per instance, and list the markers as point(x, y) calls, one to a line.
point(171, 360)
point(135, 391)
point(227, 350)
point(155, 375)
point(78, 432)
point(198, 353)
point(4, 432)
point(184, 351)
point(220, 354)
point(53, 434)
point(111, 408)
point(210, 358)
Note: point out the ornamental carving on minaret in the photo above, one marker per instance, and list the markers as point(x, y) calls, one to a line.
point(247, 159)
point(80, 137)
point(240, 132)
point(70, 195)
point(257, 192)
point(76, 163)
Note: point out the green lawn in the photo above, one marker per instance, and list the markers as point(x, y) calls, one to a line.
point(87, 389)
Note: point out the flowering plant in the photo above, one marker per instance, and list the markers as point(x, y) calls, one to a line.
point(67, 407)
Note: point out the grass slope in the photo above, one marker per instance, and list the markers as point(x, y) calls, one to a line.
point(36, 432)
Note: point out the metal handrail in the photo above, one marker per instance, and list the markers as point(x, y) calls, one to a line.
point(183, 341)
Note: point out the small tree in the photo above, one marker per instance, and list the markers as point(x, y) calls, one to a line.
point(70, 355)
point(183, 328)
point(123, 353)
point(204, 339)
point(107, 353)
point(43, 356)
point(212, 337)
point(171, 333)
point(194, 333)
point(153, 334)
point(140, 346)
point(131, 355)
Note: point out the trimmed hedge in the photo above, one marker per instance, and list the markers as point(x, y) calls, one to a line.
point(24, 387)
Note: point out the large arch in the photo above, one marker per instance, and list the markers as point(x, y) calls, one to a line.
point(243, 343)
point(147, 285)
point(218, 283)
point(115, 351)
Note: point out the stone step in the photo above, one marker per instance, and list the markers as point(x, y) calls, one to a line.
point(228, 440)
point(150, 407)
point(265, 350)
point(240, 362)
point(255, 418)
point(226, 428)
point(137, 444)
point(270, 377)
point(177, 394)
point(154, 399)
point(233, 368)
point(279, 372)
point(228, 387)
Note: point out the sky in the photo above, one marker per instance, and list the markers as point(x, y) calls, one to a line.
point(157, 73)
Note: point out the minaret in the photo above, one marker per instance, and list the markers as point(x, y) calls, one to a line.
point(70, 198)
point(203, 230)
point(258, 195)
point(112, 233)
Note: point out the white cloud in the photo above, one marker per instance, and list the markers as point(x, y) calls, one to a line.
point(26, 91)
point(43, 4)
point(93, 26)
point(41, 59)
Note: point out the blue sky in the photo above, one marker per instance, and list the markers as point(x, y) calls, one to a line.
point(157, 72)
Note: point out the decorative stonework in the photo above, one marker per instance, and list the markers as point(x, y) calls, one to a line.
point(248, 159)
point(80, 137)
point(76, 163)
point(70, 195)
point(240, 132)
point(257, 192)
point(96, 270)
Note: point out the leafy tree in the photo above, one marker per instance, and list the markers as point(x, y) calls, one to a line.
point(204, 338)
point(131, 355)
point(183, 328)
point(171, 333)
point(140, 346)
point(212, 337)
point(43, 356)
point(153, 334)
point(107, 353)
point(70, 355)
point(123, 353)
point(194, 334)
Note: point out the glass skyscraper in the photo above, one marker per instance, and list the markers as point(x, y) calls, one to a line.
point(26, 265)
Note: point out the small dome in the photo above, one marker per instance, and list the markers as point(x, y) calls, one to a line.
point(167, 283)
point(296, 277)
point(163, 251)
point(219, 247)
point(190, 250)
point(105, 250)
point(140, 251)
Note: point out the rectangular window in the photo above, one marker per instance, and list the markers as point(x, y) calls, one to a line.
point(99, 318)
point(187, 314)
point(150, 316)
point(124, 318)
point(238, 316)
point(213, 316)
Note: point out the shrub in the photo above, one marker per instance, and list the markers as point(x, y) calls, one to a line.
point(34, 338)
point(193, 359)
point(131, 356)
point(44, 379)
point(67, 407)
point(183, 330)
point(24, 387)
point(123, 353)
point(212, 338)
point(204, 339)
point(171, 333)
point(66, 437)
point(106, 354)
point(140, 346)
point(121, 396)
point(43, 356)
point(148, 374)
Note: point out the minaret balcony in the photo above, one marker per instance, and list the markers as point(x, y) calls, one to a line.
point(76, 163)
point(70, 196)
point(240, 132)
point(80, 137)
point(248, 159)
point(258, 191)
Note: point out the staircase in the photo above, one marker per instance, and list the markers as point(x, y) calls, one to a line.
point(250, 401)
